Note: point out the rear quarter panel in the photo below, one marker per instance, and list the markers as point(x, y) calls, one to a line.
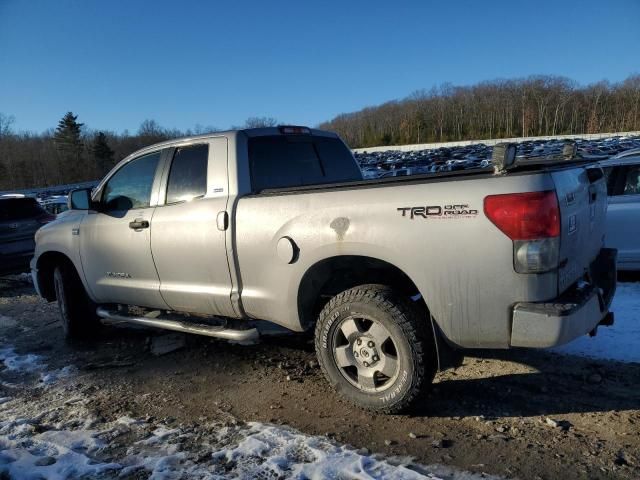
point(462, 264)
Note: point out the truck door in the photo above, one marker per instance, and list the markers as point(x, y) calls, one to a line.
point(188, 235)
point(115, 240)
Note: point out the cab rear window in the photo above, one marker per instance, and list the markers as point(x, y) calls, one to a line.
point(282, 161)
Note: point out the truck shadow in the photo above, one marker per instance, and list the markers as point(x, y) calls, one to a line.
point(533, 383)
point(490, 384)
point(498, 383)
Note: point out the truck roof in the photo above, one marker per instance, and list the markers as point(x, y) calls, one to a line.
point(250, 132)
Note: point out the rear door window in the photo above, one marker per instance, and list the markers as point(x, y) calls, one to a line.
point(188, 174)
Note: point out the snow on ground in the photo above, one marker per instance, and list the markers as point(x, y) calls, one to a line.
point(267, 451)
point(30, 363)
point(47, 431)
point(56, 445)
point(621, 341)
point(20, 363)
point(50, 432)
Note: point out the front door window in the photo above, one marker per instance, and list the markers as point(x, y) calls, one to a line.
point(130, 187)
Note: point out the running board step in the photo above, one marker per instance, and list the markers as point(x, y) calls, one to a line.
point(248, 335)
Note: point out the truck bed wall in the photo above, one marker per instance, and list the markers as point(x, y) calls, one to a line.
point(461, 264)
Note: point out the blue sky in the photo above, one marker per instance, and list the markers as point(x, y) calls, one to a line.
point(116, 63)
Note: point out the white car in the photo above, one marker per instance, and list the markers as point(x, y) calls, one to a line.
point(623, 215)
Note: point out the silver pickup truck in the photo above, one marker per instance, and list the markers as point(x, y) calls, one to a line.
point(210, 233)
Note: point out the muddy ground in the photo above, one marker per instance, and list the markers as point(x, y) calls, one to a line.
point(520, 414)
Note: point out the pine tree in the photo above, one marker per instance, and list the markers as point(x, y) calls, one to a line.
point(102, 153)
point(67, 134)
point(69, 145)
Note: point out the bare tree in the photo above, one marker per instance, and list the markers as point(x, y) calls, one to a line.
point(537, 105)
point(150, 128)
point(5, 124)
point(547, 105)
point(259, 122)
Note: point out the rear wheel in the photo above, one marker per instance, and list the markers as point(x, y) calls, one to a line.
point(375, 348)
point(77, 311)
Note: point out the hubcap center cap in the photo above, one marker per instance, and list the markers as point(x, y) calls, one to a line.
point(365, 352)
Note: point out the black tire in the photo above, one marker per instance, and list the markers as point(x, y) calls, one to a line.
point(77, 311)
point(372, 322)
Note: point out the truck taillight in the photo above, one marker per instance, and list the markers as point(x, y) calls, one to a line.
point(532, 221)
point(525, 216)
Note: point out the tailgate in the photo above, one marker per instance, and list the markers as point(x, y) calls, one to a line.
point(582, 197)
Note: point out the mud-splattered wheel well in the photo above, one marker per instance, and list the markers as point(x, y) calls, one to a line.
point(46, 265)
point(334, 275)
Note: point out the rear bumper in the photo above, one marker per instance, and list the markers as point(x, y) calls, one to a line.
point(576, 312)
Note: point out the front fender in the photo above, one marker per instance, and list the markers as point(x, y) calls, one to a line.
point(60, 237)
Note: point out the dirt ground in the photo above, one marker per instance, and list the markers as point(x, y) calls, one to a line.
point(519, 414)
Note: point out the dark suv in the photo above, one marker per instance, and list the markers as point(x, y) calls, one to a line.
point(20, 217)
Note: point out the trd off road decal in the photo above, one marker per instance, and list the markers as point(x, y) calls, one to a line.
point(439, 211)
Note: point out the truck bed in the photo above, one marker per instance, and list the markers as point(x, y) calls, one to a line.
point(461, 265)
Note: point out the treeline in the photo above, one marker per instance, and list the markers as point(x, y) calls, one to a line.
point(537, 105)
point(532, 106)
point(72, 153)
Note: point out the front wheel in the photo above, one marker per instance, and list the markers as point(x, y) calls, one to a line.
point(375, 349)
point(77, 311)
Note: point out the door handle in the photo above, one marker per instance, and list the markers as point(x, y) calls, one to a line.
point(138, 224)
point(222, 220)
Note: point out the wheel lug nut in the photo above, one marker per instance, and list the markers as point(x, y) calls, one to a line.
point(359, 342)
point(366, 364)
point(375, 358)
point(371, 344)
point(355, 354)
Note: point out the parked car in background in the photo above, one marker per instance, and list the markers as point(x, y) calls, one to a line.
point(55, 204)
point(623, 216)
point(376, 163)
point(12, 195)
point(20, 217)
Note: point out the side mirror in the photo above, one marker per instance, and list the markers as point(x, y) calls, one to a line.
point(79, 199)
